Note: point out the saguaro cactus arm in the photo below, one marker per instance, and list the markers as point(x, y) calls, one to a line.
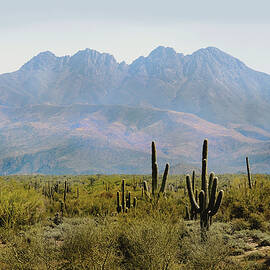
point(145, 186)
point(191, 195)
point(146, 191)
point(212, 192)
point(204, 178)
point(193, 181)
point(217, 204)
point(210, 183)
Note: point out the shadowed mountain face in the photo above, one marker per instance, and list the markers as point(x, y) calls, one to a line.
point(87, 113)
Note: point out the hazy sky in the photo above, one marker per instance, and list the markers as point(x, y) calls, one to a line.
point(128, 29)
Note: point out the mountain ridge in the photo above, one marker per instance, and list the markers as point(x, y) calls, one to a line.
point(52, 105)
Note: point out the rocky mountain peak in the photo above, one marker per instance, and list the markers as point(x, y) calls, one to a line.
point(90, 56)
point(41, 61)
point(162, 52)
point(162, 61)
point(214, 56)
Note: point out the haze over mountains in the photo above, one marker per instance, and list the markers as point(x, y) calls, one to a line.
point(87, 113)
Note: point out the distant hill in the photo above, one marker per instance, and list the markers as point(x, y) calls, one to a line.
point(87, 113)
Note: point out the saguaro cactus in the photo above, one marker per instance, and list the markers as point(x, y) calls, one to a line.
point(123, 196)
point(164, 179)
point(65, 191)
point(154, 169)
point(128, 200)
point(134, 202)
point(155, 173)
point(119, 207)
point(125, 203)
point(249, 175)
point(207, 207)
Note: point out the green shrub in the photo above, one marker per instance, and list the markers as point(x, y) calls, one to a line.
point(88, 246)
point(213, 253)
point(256, 222)
point(150, 244)
point(239, 224)
point(26, 251)
point(19, 206)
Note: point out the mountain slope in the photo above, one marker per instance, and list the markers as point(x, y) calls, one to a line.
point(114, 138)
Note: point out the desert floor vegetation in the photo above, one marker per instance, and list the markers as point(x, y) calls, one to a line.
point(71, 222)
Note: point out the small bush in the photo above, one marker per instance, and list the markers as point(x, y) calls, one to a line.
point(256, 222)
point(239, 224)
point(254, 256)
point(89, 246)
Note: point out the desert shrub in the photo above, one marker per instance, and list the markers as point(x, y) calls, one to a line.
point(26, 251)
point(239, 224)
point(150, 244)
point(256, 222)
point(212, 253)
point(262, 238)
point(19, 206)
point(238, 210)
point(254, 256)
point(90, 246)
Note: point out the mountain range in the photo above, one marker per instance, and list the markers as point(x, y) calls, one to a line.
point(87, 113)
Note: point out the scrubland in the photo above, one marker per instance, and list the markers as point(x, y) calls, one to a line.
point(71, 222)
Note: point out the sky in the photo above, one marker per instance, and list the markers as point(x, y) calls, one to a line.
point(128, 29)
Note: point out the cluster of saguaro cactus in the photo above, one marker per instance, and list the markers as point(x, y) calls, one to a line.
point(106, 186)
point(125, 203)
point(155, 176)
point(50, 189)
point(208, 203)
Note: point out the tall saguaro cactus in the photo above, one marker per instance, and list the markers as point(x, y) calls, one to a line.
point(123, 196)
point(208, 202)
point(155, 173)
point(154, 169)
